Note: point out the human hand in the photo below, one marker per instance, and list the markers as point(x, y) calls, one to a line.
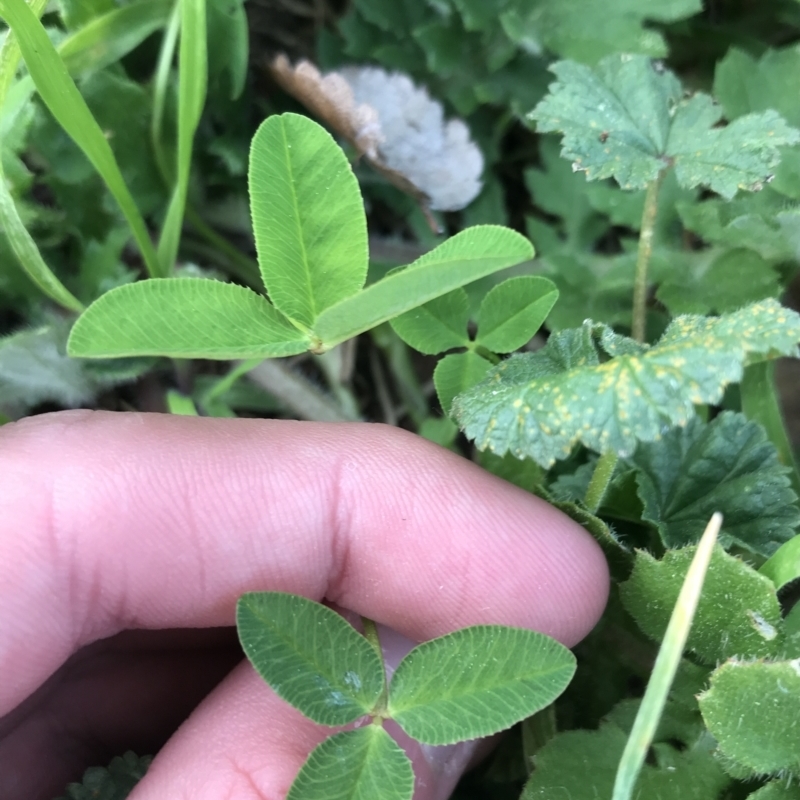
point(147, 528)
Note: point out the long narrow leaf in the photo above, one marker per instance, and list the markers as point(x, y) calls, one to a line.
point(21, 241)
point(193, 78)
point(669, 656)
point(65, 102)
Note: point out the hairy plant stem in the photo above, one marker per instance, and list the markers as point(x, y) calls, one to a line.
point(643, 257)
point(371, 635)
point(601, 477)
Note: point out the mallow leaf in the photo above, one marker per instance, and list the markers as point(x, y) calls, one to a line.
point(308, 217)
point(362, 764)
point(513, 311)
point(494, 677)
point(465, 257)
point(310, 656)
point(728, 465)
point(751, 709)
point(628, 119)
point(586, 30)
point(777, 790)
point(738, 613)
point(582, 764)
point(538, 405)
point(439, 325)
point(457, 372)
point(184, 318)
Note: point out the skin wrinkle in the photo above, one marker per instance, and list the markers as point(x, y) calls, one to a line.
point(419, 539)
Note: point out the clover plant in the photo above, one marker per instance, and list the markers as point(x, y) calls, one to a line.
point(626, 375)
point(315, 660)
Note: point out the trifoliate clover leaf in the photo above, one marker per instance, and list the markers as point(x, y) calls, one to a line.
point(729, 466)
point(539, 405)
point(626, 118)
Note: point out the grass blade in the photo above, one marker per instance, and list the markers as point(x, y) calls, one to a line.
point(669, 656)
point(58, 91)
point(21, 241)
point(192, 83)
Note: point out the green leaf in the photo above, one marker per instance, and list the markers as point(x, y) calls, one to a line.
point(21, 242)
point(107, 38)
point(744, 84)
point(627, 119)
point(513, 311)
point(308, 217)
point(766, 696)
point(362, 764)
point(784, 566)
point(729, 466)
point(707, 281)
point(590, 287)
point(581, 765)
point(590, 29)
point(467, 256)
point(777, 790)
point(113, 783)
point(34, 369)
point(310, 656)
point(192, 84)
point(540, 404)
point(228, 46)
point(436, 326)
point(455, 374)
point(183, 318)
point(62, 97)
point(560, 191)
point(738, 613)
point(764, 222)
point(760, 402)
point(496, 676)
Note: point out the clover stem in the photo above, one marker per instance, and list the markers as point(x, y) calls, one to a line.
point(371, 635)
point(601, 477)
point(643, 257)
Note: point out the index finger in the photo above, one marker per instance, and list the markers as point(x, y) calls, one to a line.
point(113, 521)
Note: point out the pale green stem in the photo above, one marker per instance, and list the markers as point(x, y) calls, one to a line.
point(160, 84)
point(371, 635)
point(669, 657)
point(643, 257)
point(601, 477)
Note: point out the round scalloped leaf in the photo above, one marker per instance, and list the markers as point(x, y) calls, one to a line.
point(729, 466)
point(752, 710)
point(738, 613)
point(310, 656)
point(477, 681)
point(539, 405)
point(627, 119)
point(362, 764)
point(777, 790)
